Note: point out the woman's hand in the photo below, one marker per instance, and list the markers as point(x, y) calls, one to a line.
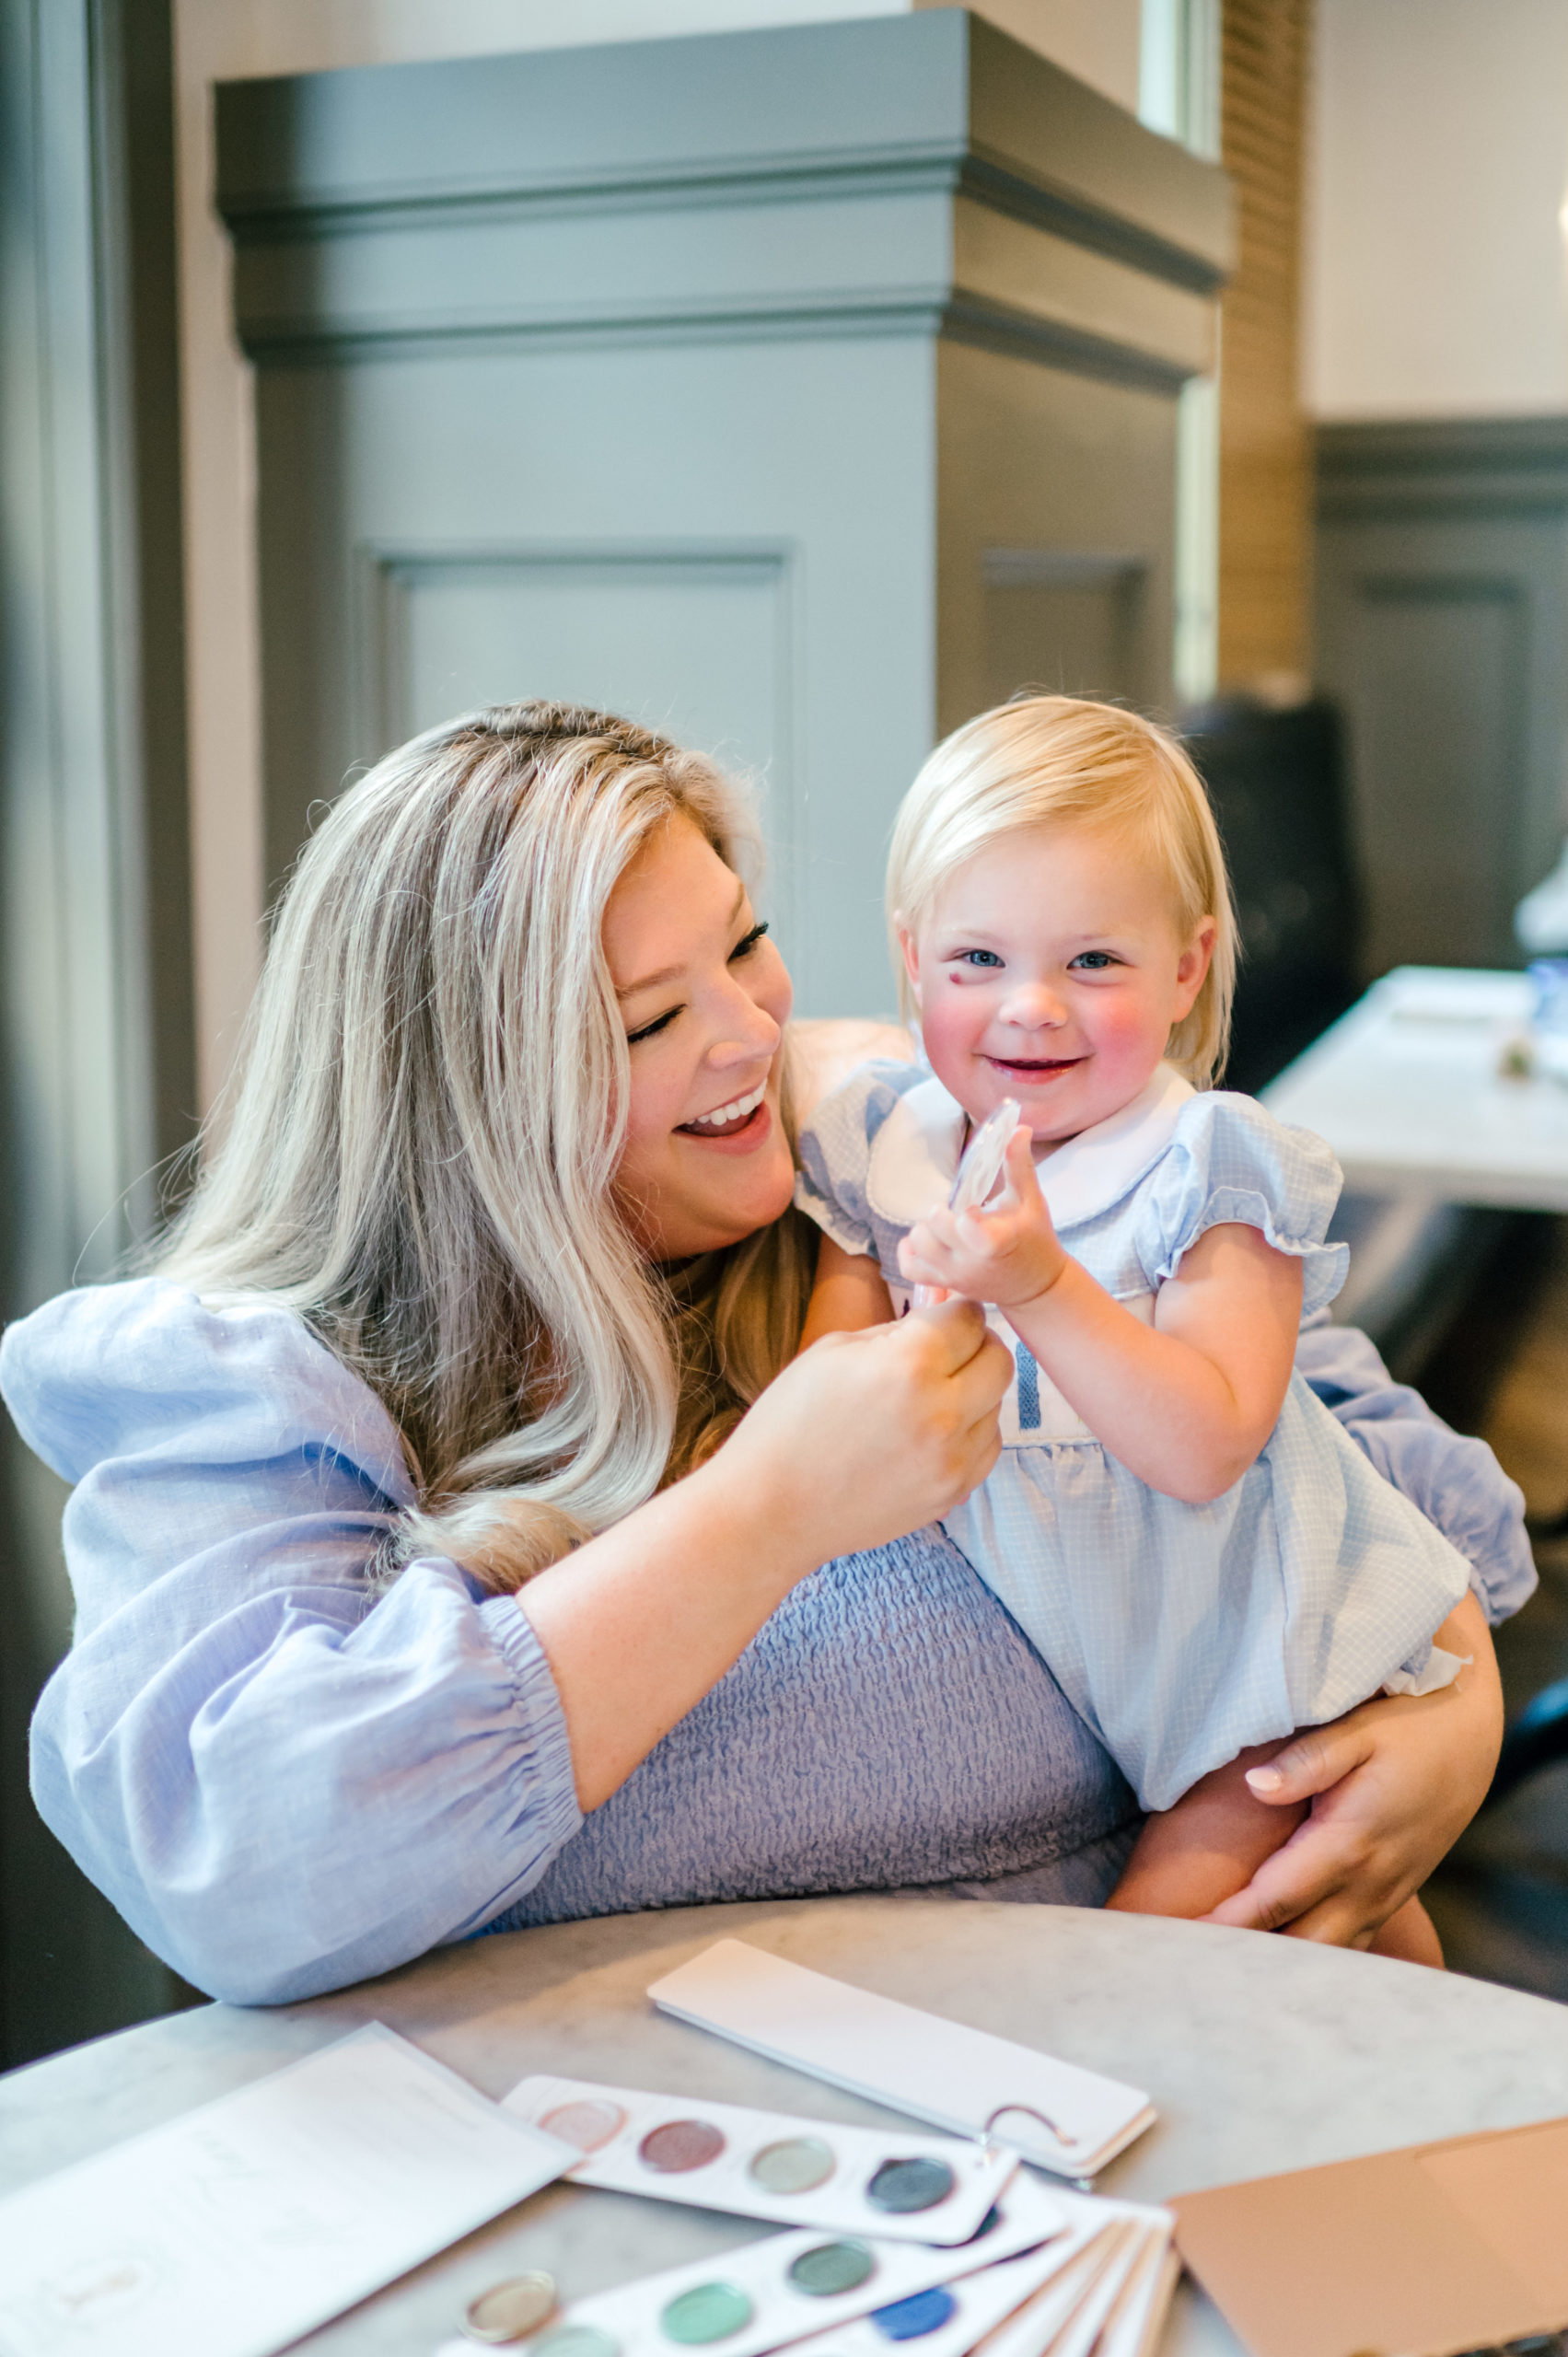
point(1392, 1786)
point(867, 1435)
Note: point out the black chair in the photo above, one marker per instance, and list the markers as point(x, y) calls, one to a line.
point(1276, 780)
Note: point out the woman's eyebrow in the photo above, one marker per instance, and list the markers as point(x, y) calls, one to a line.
point(672, 973)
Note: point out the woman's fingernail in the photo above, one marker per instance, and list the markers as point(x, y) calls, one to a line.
point(1264, 1779)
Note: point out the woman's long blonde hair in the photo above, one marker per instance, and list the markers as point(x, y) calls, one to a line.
point(418, 1149)
point(1044, 760)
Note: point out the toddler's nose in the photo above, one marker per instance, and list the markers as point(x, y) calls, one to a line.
point(1034, 1006)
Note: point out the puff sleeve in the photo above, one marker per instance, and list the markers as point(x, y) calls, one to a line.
point(1230, 1161)
point(834, 1151)
point(284, 1778)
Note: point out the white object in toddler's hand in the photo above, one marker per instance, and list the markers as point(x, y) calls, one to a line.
point(978, 1173)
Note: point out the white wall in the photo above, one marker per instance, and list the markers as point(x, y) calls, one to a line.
point(225, 40)
point(1439, 158)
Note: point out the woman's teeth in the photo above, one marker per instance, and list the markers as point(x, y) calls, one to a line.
point(738, 1110)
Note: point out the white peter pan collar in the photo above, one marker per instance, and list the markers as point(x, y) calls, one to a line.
point(915, 1158)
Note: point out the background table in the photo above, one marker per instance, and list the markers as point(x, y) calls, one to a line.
point(1260, 2054)
point(1407, 1091)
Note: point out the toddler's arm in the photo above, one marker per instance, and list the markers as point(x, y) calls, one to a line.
point(849, 1294)
point(1186, 1404)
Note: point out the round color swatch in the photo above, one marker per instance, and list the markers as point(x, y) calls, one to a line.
point(902, 2186)
point(794, 2166)
point(587, 2125)
point(575, 2341)
point(707, 2312)
point(831, 2267)
point(679, 2145)
point(510, 2311)
point(912, 2318)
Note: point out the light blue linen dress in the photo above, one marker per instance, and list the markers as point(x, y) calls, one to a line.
point(1182, 1632)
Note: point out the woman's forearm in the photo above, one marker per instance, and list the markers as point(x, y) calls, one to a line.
point(865, 1437)
point(637, 1625)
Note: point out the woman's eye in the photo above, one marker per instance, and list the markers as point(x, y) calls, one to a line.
point(650, 1030)
point(1094, 960)
point(749, 941)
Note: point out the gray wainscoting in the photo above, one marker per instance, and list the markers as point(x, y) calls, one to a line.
point(1442, 632)
point(798, 391)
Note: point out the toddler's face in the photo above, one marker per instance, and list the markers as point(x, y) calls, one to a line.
point(1051, 968)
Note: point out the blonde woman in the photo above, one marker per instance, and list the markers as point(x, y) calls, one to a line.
point(445, 1535)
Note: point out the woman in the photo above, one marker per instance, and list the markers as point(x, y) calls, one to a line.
point(444, 1465)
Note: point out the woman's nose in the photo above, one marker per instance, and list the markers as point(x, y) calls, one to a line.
point(748, 1032)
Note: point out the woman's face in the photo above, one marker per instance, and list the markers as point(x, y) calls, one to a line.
point(704, 996)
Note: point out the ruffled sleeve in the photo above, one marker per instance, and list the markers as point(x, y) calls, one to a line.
point(835, 1151)
point(1230, 1161)
point(1456, 1482)
point(284, 1779)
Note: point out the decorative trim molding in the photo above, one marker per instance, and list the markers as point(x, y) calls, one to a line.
point(1478, 465)
point(705, 120)
point(559, 198)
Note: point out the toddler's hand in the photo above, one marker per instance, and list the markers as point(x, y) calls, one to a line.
point(1007, 1254)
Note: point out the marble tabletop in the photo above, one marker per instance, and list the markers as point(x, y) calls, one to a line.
point(1260, 2054)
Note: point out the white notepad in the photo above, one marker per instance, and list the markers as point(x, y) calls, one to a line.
point(234, 2229)
point(1062, 2118)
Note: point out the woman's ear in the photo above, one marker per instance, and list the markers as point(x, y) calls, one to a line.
point(910, 946)
point(1192, 966)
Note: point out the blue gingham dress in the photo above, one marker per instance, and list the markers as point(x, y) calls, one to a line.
point(1181, 1632)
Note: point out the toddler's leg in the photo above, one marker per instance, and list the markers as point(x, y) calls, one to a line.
point(1411, 1935)
point(1208, 1846)
point(1213, 1841)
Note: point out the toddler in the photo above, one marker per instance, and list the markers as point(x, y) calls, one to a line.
point(1202, 1555)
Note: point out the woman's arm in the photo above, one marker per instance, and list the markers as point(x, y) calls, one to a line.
point(285, 1782)
point(896, 1424)
point(1185, 1404)
point(1392, 1786)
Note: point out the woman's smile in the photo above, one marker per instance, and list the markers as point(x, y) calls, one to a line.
point(742, 1134)
point(705, 997)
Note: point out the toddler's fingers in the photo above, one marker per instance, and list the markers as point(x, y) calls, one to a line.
point(1021, 1181)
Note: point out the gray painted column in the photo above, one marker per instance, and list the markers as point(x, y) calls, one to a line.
point(799, 392)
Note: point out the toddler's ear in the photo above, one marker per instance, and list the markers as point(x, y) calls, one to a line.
point(910, 945)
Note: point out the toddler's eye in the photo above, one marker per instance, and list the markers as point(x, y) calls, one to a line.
point(1094, 960)
point(978, 957)
point(749, 941)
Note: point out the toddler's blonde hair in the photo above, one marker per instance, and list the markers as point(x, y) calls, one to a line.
point(1049, 761)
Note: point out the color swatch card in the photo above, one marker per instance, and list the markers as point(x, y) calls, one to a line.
point(786, 2288)
point(249, 2222)
point(1066, 2118)
point(768, 2163)
point(1100, 2284)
